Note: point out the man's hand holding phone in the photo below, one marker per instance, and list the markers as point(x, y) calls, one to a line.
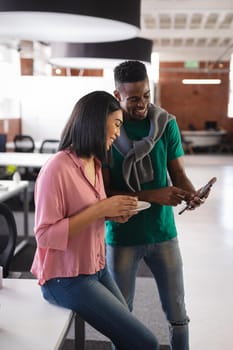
point(199, 198)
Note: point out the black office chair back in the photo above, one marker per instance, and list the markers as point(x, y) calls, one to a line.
point(24, 143)
point(2, 142)
point(49, 146)
point(8, 235)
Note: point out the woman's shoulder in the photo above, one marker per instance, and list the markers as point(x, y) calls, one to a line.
point(56, 162)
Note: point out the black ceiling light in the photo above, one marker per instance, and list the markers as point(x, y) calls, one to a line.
point(69, 20)
point(100, 55)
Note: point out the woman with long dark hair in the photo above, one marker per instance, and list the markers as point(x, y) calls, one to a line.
point(70, 211)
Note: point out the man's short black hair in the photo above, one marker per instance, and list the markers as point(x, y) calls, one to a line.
point(130, 72)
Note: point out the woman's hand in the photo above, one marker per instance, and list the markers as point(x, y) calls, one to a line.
point(121, 219)
point(119, 208)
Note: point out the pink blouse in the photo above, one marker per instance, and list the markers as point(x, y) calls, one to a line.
point(61, 191)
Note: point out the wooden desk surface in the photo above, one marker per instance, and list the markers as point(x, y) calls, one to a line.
point(27, 321)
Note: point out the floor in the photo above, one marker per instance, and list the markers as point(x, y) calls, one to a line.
point(206, 240)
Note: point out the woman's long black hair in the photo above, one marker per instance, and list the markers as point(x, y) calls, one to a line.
point(85, 131)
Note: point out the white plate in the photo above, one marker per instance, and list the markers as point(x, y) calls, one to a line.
point(142, 206)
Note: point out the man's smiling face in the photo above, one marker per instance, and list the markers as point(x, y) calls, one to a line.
point(134, 99)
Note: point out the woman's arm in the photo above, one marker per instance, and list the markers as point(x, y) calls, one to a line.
point(115, 206)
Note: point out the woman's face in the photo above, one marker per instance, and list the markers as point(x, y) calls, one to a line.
point(114, 123)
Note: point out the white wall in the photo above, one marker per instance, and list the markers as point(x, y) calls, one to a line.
point(47, 102)
point(9, 75)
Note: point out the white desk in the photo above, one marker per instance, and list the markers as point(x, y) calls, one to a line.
point(204, 138)
point(28, 322)
point(34, 160)
point(9, 189)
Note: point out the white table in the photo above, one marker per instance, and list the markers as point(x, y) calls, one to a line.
point(9, 189)
point(204, 138)
point(28, 322)
point(34, 160)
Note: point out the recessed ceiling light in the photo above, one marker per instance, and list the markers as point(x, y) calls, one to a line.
point(202, 81)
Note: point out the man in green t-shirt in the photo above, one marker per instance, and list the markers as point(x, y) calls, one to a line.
point(147, 151)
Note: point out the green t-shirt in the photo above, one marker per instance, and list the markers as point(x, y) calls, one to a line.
point(155, 224)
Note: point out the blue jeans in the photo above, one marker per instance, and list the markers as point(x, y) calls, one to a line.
point(98, 300)
point(164, 261)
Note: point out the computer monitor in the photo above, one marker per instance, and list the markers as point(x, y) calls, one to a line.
point(3, 142)
point(211, 125)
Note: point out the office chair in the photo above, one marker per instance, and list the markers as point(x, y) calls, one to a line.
point(226, 144)
point(49, 146)
point(187, 145)
point(3, 138)
point(8, 234)
point(3, 142)
point(23, 143)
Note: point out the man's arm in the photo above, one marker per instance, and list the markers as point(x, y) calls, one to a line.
point(178, 175)
point(179, 178)
point(169, 195)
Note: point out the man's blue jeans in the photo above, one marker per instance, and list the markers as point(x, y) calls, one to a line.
point(98, 300)
point(164, 261)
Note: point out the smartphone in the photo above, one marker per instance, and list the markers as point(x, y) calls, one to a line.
point(203, 192)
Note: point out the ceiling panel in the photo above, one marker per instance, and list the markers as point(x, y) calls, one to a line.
point(188, 29)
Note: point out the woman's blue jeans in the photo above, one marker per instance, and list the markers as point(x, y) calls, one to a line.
point(164, 261)
point(98, 300)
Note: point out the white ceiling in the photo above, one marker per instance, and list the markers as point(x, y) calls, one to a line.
point(189, 29)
